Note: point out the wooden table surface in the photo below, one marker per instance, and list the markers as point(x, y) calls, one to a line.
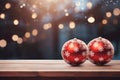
point(56, 68)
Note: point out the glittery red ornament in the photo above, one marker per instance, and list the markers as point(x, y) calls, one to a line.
point(74, 52)
point(101, 51)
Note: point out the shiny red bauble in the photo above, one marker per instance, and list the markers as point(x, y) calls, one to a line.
point(101, 51)
point(74, 52)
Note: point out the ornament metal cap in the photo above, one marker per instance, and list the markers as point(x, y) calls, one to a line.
point(100, 38)
point(75, 38)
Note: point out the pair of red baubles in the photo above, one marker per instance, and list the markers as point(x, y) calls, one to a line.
point(98, 51)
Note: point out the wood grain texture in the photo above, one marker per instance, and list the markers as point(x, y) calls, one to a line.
point(56, 68)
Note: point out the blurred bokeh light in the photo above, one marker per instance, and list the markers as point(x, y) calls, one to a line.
point(37, 29)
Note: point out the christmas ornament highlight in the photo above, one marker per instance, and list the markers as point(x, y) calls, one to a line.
point(74, 52)
point(101, 51)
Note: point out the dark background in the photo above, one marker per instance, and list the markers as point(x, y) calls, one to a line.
point(45, 16)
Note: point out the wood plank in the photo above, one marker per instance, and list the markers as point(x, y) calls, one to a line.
point(56, 68)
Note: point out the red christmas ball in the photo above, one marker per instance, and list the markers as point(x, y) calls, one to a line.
point(74, 52)
point(101, 51)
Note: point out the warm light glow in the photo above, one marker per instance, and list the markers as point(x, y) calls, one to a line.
point(108, 14)
point(27, 34)
point(51, 1)
point(71, 46)
point(76, 9)
point(89, 5)
point(2, 16)
point(65, 10)
point(72, 25)
point(15, 22)
point(104, 21)
point(83, 5)
point(34, 6)
point(34, 15)
point(47, 26)
point(91, 19)
point(3, 43)
point(98, 46)
point(77, 3)
point(20, 40)
point(23, 5)
point(7, 5)
point(116, 11)
point(15, 37)
point(66, 14)
point(60, 26)
point(35, 32)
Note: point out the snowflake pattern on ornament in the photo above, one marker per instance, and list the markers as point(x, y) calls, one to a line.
point(101, 59)
point(109, 53)
point(76, 49)
point(76, 59)
point(74, 52)
point(67, 54)
point(101, 51)
point(91, 54)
